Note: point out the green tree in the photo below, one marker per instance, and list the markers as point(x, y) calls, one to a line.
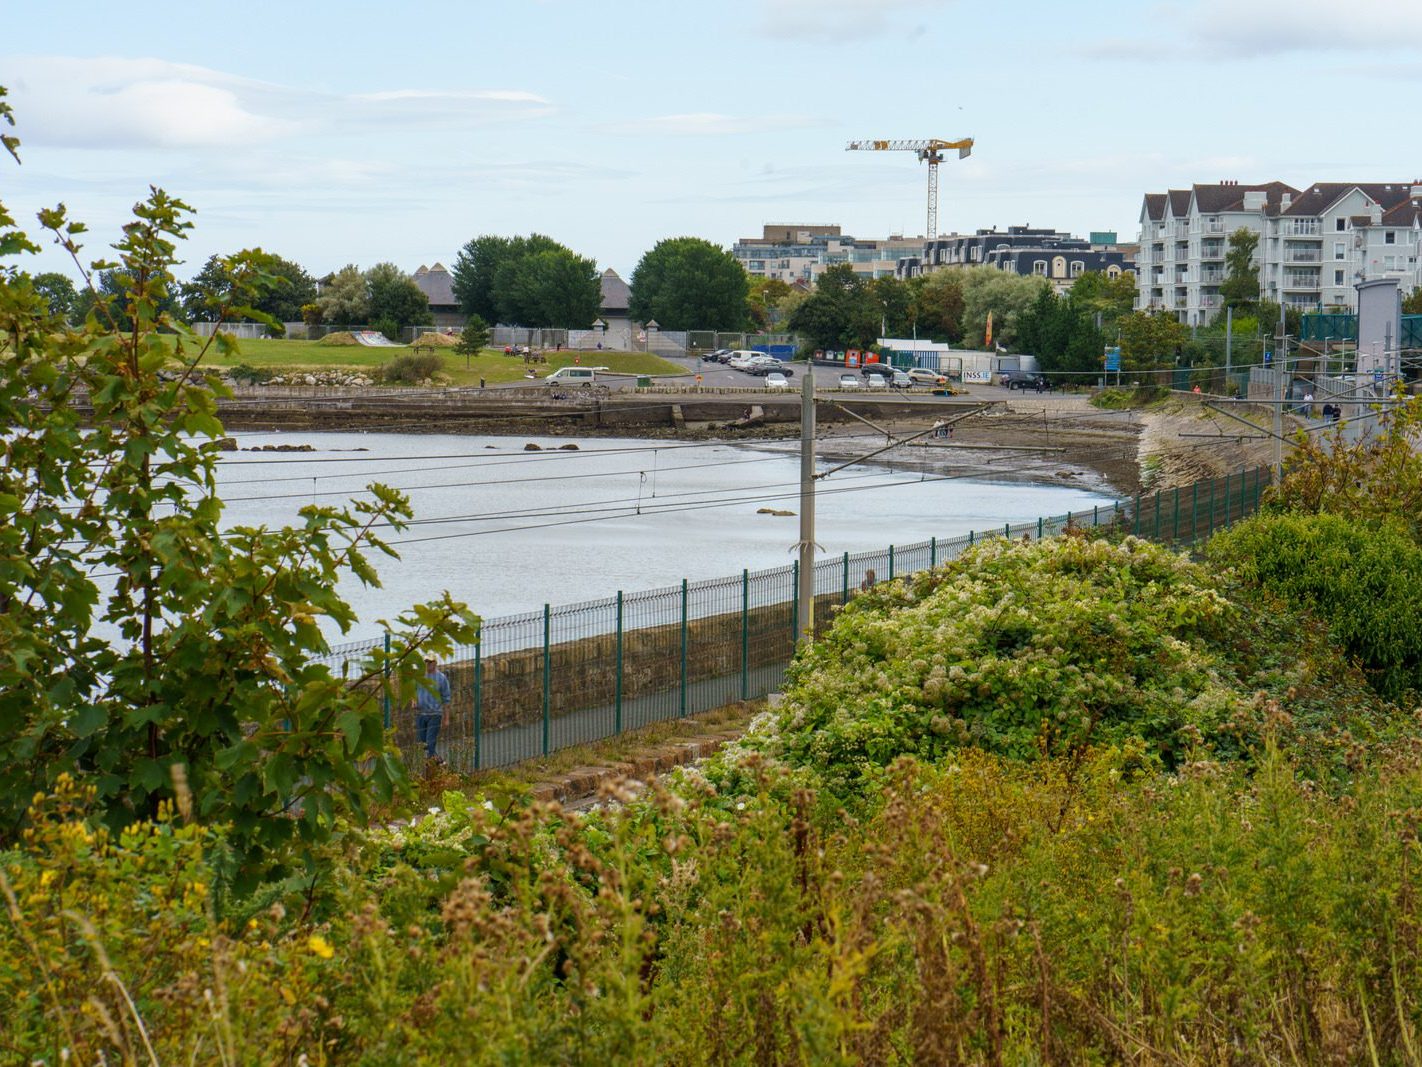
point(345, 299)
point(685, 283)
point(842, 312)
point(1412, 303)
point(1003, 293)
point(1099, 294)
point(764, 299)
point(473, 339)
point(938, 304)
point(1150, 341)
point(1061, 334)
point(59, 293)
point(210, 689)
point(494, 279)
point(210, 288)
point(1240, 288)
point(395, 301)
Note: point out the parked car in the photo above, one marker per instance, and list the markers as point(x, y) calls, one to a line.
point(850, 381)
point(739, 357)
point(770, 366)
point(760, 363)
point(880, 369)
point(719, 356)
point(900, 380)
point(1021, 379)
point(875, 381)
point(924, 376)
point(776, 380)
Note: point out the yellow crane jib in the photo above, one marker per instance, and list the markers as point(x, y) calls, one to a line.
point(930, 151)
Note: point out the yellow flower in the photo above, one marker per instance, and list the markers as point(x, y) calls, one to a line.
point(319, 945)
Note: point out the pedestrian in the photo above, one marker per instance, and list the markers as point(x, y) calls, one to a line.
point(431, 698)
point(481, 383)
point(869, 580)
point(940, 428)
point(1041, 383)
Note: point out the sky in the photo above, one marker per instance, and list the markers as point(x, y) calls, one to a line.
point(353, 132)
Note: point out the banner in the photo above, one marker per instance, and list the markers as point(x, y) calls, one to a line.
point(987, 338)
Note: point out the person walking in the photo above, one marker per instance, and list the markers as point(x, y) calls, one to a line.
point(431, 698)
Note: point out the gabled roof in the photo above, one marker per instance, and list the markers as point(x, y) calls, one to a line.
point(1218, 198)
point(1155, 206)
point(1320, 196)
point(1179, 203)
point(438, 285)
point(1407, 213)
point(615, 293)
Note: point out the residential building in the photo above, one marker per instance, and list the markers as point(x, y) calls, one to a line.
point(801, 253)
point(438, 286)
point(1314, 244)
point(1059, 257)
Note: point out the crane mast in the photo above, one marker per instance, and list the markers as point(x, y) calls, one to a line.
point(929, 151)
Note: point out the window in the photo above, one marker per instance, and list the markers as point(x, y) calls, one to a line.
point(1340, 250)
point(1340, 224)
point(1337, 277)
point(1390, 237)
point(1040, 267)
point(1077, 266)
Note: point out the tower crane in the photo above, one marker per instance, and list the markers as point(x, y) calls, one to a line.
point(929, 151)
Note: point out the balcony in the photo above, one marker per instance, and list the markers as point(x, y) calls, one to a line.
point(1211, 277)
point(1301, 281)
point(1303, 255)
point(1300, 228)
point(1182, 230)
point(1181, 303)
point(1212, 227)
point(1212, 251)
point(1210, 300)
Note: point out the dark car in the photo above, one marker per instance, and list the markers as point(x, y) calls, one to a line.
point(1021, 379)
point(718, 356)
point(881, 369)
point(762, 369)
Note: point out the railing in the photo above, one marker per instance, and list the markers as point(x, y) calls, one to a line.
point(1300, 228)
point(572, 674)
point(1212, 277)
point(1212, 227)
point(1303, 255)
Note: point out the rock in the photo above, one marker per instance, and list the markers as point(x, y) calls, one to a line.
point(227, 444)
point(531, 447)
point(568, 448)
point(772, 511)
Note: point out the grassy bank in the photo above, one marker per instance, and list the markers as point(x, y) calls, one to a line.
point(286, 356)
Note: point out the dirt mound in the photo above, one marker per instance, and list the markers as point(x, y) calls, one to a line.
point(341, 337)
point(436, 340)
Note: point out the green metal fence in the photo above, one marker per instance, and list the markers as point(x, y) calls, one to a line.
point(575, 673)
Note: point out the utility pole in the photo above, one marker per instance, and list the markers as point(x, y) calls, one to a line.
point(805, 595)
point(1281, 362)
point(1229, 343)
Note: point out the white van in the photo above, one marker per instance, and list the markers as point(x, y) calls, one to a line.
point(573, 376)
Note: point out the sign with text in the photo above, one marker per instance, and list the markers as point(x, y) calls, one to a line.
point(1113, 357)
point(977, 377)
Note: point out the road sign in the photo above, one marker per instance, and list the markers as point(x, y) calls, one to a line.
point(1113, 358)
point(1268, 357)
point(1377, 376)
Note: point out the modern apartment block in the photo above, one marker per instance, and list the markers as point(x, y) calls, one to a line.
point(1314, 245)
point(800, 253)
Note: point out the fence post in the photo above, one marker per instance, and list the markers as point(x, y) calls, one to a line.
point(547, 673)
point(1007, 530)
point(932, 552)
point(1228, 501)
point(1039, 525)
point(683, 647)
point(970, 538)
point(478, 702)
point(1157, 516)
point(891, 563)
point(617, 699)
point(745, 635)
point(846, 578)
point(1211, 523)
point(1194, 511)
point(1136, 518)
point(1095, 516)
point(1175, 519)
point(385, 685)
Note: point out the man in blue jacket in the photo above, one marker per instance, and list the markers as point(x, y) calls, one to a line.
point(431, 698)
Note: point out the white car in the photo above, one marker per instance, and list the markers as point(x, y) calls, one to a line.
point(924, 376)
point(876, 381)
point(776, 380)
point(850, 381)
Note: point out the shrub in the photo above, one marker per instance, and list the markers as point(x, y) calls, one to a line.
point(414, 367)
point(1363, 579)
point(249, 375)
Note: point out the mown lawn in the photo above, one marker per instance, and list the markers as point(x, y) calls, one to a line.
point(491, 365)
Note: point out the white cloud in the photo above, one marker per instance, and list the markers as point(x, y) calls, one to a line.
point(151, 103)
point(1244, 29)
point(837, 20)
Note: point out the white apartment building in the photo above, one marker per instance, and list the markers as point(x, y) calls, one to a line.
point(1314, 244)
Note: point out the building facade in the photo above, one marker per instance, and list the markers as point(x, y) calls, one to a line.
point(1059, 257)
point(801, 253)
point(1315, 245)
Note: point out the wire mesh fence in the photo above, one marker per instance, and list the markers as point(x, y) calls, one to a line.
point(571, 674)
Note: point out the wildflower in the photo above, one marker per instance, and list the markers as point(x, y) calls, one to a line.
point(320, 946)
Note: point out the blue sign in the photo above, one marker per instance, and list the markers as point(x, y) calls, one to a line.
point(1113, 358)
point(1377, 376)
point(1268, 357)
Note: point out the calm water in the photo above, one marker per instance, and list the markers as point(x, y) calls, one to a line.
point(507, 530)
